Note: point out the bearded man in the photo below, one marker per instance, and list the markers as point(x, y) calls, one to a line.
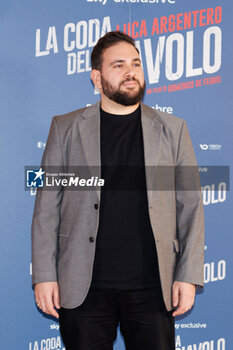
point(122, 255)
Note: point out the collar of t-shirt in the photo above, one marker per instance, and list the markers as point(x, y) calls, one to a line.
point(118, 117)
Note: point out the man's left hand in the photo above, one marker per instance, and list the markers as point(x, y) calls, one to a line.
point(183, 296)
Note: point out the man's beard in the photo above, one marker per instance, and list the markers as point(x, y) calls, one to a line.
point(125, 98)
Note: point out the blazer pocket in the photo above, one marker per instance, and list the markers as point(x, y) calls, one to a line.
point(176, 245)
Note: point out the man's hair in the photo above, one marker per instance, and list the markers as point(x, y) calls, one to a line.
point(108, 40)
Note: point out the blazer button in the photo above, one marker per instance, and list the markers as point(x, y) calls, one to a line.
point(96, 206)
point(91, 239)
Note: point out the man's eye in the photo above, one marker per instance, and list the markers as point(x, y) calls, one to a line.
point(118, 65)
point(137, 65)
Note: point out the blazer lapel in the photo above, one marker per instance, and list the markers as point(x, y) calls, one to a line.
point(90, 135)
point(152, 131)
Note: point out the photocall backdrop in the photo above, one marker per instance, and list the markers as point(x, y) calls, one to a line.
point(186, 50)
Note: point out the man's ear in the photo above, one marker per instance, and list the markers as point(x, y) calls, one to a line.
point(96, 78)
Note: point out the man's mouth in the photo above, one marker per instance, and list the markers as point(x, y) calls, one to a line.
point(130, 83)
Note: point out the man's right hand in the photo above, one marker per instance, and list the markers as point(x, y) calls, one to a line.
point(47, 297)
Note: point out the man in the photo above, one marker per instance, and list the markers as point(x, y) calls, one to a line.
point(124, 257)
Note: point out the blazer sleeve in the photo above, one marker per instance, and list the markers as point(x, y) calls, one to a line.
point(190, 214)
point(46, 216)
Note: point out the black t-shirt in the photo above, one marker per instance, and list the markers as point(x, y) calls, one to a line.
point(125, 249)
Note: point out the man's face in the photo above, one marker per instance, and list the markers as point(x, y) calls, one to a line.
point(122, 78)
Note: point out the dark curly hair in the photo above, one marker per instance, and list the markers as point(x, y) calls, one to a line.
point(109, 39)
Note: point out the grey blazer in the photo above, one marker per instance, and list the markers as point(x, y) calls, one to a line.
point(65, 223)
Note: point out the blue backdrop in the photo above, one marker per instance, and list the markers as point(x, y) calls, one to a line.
point(186, 48)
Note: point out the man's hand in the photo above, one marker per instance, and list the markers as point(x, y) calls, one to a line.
point(47, 297)
point(183, 296)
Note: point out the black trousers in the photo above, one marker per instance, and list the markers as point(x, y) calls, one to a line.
point(144, 321)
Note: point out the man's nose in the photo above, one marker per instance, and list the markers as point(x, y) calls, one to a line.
point(129, 71)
